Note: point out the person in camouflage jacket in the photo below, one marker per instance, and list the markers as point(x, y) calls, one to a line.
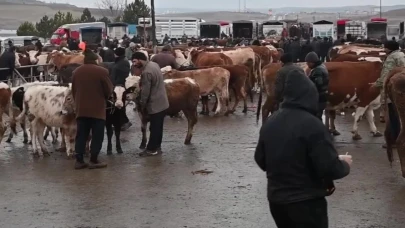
point(395, 58)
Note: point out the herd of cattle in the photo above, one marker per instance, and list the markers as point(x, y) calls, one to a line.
point(203, 71)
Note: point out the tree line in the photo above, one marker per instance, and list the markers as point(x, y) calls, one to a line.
point(47, 25)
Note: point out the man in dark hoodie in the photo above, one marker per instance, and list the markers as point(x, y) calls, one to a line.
point(320, 77)
point(287, 67)
point(297, 153)
point(120, 72)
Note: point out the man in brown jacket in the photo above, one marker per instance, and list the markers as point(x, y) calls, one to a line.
point(91, 87)
point(165, 58)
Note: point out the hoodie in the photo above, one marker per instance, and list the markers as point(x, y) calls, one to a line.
point(295, 149)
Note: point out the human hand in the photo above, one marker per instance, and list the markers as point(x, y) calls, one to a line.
point(347, 158)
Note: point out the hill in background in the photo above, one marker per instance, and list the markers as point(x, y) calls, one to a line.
point(15, 12)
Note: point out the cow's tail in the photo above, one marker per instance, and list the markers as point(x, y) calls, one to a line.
point(259, 105)
point(24, 112)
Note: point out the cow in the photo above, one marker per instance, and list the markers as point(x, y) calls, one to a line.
point(212, 80)
point(183, 95)
point(237, 81)
point(43, 105)
point(16, 107)
point(394, 88)
point(59, 59)
point(356, 50)
point(5, 95)
point(349, 84)
point(201, 58)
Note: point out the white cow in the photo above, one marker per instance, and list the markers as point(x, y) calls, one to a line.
point(44, 105)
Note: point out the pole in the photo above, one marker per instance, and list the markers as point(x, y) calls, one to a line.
point(152, 11)
point(380, 9)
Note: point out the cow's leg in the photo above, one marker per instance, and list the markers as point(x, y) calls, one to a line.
point(237, 99)
point(266, 108)
point(69, 150)
point(53, 134)
point(63, 143)
point(40, 131)
point(192, 118)
point(46, 133)
point(359, 112)
point(370, 119)
point(215, 104)
point(109, 129)
point(13, 127)
point(244, 97)
point(24, 129)
point(117, 131)
point(34, 136)
point(204, 101)
point(144, 124)
point(220, 99)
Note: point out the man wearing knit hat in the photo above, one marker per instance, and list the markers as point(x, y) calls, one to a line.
point(395, 58)
point(153, 101)
point(320, 77)
point(287, 67)
point(120, 72)
point(91, 87)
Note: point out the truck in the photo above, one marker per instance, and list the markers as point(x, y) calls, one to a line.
point(377, 28)
point(245, 29)
point(73, 31)
point(323, 29)
point(174, 27)
point(396, 31)
point(213, 30)
point(355, 29)
point(117, 30)
point(273, 29)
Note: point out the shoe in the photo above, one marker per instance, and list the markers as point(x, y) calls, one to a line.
point(81, 165)
point(97, 165)
point(150, 153)
point(126, 126)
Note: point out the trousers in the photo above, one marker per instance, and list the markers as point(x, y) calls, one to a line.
point(305, 214)
point(156, 130)
point(321, 108)
point(84, 126)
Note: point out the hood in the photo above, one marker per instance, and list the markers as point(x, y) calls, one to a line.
point(300, 92)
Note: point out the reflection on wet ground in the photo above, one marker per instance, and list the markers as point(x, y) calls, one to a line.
point(162, 192)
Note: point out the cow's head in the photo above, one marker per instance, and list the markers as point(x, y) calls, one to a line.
point(132, 88)
point(119, 96)
point(68, 106)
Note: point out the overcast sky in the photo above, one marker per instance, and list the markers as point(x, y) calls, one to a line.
point(233, 4)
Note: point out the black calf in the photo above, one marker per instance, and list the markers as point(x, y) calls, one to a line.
point(114, 116)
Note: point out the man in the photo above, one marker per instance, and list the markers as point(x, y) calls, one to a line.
point(165, 58)
point(287, 67)
point(395, 58)
point(7, 60)
point(320, 77)
point(108, 55)
point(129, 51)
point(295, 49)
point(297, 153)
point(153, 101)
point(120, 72)
point(91, 87)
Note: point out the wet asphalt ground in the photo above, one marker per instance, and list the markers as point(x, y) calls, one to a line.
point(163, 192)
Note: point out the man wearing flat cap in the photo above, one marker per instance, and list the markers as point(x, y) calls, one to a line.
point(153, 101)
point(91, 87)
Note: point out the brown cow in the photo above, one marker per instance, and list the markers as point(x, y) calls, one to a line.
point(183, 95)
point(5, 95)
point(394, 90)
point(356, 50)
point(200, 58)
point(59, 59)
point(212, 80)
point(349, 84)
point(238, 76)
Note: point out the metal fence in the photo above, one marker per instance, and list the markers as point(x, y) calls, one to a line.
point(17, 78)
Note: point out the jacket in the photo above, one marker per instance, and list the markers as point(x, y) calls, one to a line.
point(281, 78)
point(129, 52)
point(153, 91)
point(164, 59)
point(7, 60)
point(91, 87)
point(394, 59)
point(108, 55)
point(120, 71)
point(295, 149)
point(320, 77)
point(295, 50)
